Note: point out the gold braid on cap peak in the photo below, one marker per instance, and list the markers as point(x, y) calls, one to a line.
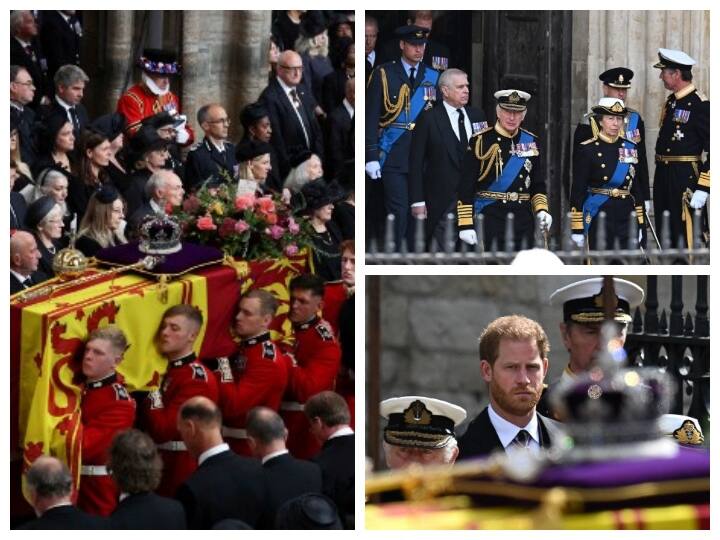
point(393, 110)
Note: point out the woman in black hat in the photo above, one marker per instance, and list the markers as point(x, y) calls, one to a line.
point(91, 170)
point(255, 165)
point(103, 223)
point(306, 167)
point(605, 179)
point(255, 120)
point(56, 143)
point(148, 154)
point(44, 220)
point(113, 126)
point(319, 198)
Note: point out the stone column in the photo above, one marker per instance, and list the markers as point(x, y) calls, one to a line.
point(119, 56)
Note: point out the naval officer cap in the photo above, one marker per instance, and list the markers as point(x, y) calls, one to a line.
point(618, 77)
point(583, 301)
point(512, 100)
point(674, 59)
point(610, 106)
point(685, 430)
point(420, 422)
point(415, 35)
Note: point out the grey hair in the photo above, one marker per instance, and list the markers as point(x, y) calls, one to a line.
point(56, 212)
point(498, 107)
point(446, 450)
point(444, 79)
point(265, 425)
point(156, 180)
point(68, 75)
point(16, 18)
point(50, 478)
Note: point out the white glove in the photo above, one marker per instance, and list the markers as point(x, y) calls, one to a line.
point(372, 168)
point(699, 199)
point(419, 210)
point(155, 398)
point(545, 220)
point(648, 207)
point(579, 239)
point(468, 236)
point(181, 134)
point(640, 236)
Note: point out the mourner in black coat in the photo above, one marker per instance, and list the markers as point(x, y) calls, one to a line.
point(286, 478)
point(148, 511)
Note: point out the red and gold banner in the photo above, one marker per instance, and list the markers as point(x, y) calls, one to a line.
point(48, 334)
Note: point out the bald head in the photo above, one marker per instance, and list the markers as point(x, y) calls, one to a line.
point(50, 483)
point(203, 411)
point(24, 253)
point(199, 422)
point(290, 68)
point(266, 432)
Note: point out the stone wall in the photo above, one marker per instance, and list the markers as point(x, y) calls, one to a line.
point(430, 326)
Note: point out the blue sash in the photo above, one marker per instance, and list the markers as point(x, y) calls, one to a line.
point(593, 203)
point(391, 134)
point(510, 171)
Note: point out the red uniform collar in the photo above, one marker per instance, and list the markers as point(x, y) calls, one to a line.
point(184, 360)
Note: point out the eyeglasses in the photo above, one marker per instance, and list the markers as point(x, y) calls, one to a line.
point(225, 121)
point(292, 68)
point(28, 83)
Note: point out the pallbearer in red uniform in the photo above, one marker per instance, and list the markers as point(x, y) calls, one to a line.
point(257, 374)
point(317, 362)
point(153, 95)
point(185, 378)
point(106, 410)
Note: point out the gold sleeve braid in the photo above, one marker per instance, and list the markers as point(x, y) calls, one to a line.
point(704, 180)
point(465, 214)
point(576, 220)
point(539, 202)
point(393, 110)
point(640, 213)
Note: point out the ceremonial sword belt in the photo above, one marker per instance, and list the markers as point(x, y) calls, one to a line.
point(94, 470)
point(614, 192)
point(678, 159)
point(511, 196)
point(403, 125)
point(172, 446)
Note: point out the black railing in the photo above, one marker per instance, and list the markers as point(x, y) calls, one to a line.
point(453, 251)
point(677, 343)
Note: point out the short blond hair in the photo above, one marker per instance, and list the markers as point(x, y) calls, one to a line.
point(513, 327)
point(111, 334)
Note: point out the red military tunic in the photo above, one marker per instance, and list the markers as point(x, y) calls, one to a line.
point(317, 355)
point(139, 103)
point(106, 410)
point(335, 295)
point(185, 378)
point(259, 377)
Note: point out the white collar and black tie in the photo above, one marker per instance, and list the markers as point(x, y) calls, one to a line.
point(371, 58)
point(294, 98)
point(25, 281)
point(454, 115)
point(508, 432)
point(71, 113)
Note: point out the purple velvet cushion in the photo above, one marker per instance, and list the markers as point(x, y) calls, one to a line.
point(189, 258)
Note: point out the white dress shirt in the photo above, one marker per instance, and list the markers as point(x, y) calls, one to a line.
point(210, 452)
point(347, 430)
point(349, 108)
point(287, 89)
point(453, 114)
point(507, 431)
point(274, 455)
point(371, 58)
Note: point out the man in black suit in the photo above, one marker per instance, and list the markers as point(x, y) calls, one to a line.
point(341, 133)
point(285, 476)
point(25, 52)
point(18, 206)
point(371, 34)
point(439, 142)
point(24, 259)
point(50, 486)
point(224, 485)
point(329, 418)
point(292, 112)
point(70, 81)
point(137, 468)
point(163, 190)
point(22, 117)
point(214, 156)
point(60, 37)
point(513, 361)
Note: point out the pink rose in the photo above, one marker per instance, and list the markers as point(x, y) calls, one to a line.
point(265, 205)
point(205, 223)
point(243, 202)
point(293, 227)
point(227, 228)
point(291, 250)
point(275, 232)
point(241, 226)
point(191, 204)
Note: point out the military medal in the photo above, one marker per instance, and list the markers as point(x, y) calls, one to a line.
point(527, 182)
point(528, 165)
point(678, 135)
point(633, 135)
point(477, 127)
point(440, 63)
point(627, 155)
point(681, 116)
point(632, 171)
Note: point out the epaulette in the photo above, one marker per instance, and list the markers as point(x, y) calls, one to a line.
point(121, 393)
point(268, 350)
point(489, 128)
point(702, 96)
point(323, 331)
point(589, 140)
point(528, 132)
point(198, 372)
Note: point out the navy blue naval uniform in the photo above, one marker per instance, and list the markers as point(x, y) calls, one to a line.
point(204, 161)
point(389, 111)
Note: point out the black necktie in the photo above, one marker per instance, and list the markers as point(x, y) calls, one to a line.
point(31, 53)
point(412, 77)
point(75, 121)
point(521, 440)
point(28, 282)
point(304, 120)
point(461, 130)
